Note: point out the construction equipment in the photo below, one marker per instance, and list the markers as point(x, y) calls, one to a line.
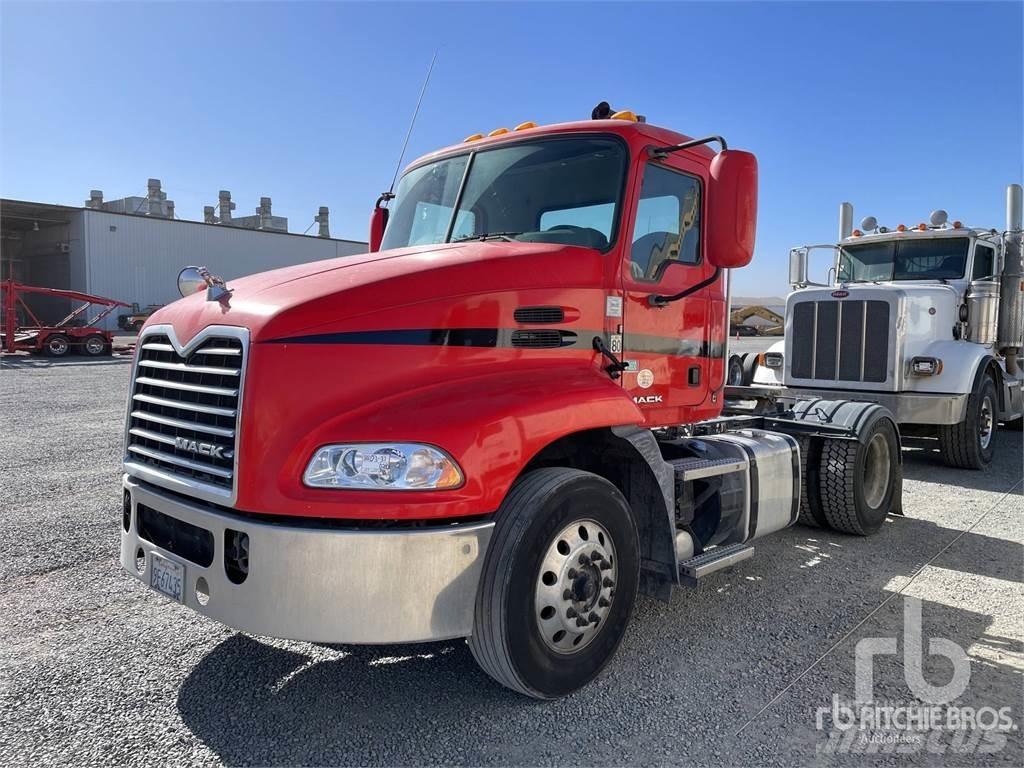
point(925, 320)
point(738, 321)
point(75, 333)
point(501, 423)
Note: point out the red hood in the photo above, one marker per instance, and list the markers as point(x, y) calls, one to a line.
point(317, 295)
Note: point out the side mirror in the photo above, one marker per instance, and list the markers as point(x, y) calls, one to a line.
point(798, 267)
point(732, 213)
point(191, 280)
point(378, 223)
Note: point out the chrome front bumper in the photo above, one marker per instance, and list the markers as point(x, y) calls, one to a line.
point(325, 585)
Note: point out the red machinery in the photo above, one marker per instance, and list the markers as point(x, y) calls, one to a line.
point(61, 338)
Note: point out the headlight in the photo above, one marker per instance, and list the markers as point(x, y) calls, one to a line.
point(382, 466)
point(926, 366)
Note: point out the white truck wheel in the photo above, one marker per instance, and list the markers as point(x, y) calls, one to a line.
point(971, 443)
point(558, 585)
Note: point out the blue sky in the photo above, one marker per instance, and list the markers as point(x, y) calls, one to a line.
point(900, 108)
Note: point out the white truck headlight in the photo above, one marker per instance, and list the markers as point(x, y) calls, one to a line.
point(382, 466)
point(926, 366)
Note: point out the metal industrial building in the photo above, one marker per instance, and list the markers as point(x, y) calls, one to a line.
point(133, 248)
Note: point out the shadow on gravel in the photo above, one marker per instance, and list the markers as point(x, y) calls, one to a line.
point(253, 703)
point(32, 361)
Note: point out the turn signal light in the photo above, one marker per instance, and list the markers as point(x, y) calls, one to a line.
point(524, 126)
point(856, 233)
point(926, 366)
point(957, 225)
point(901, 228)
point(922, 227)
point(498, 132)
point(474, 137)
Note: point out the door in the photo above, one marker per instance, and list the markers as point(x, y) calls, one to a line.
point(666, 347)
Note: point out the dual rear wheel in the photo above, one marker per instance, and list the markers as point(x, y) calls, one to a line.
point(850, 485)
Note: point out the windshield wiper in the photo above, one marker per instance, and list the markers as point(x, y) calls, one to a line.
point(488, 236)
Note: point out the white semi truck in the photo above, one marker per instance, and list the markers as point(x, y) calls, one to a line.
point(925, 320)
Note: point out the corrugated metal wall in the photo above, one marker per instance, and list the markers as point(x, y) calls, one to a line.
point(137, 259)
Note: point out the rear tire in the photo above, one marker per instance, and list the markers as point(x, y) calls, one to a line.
point(525, 626)
point(971, 443)
point(810, 484)
point(859, 479)
point(57, 345)
point(95, 346)
point(735, 373)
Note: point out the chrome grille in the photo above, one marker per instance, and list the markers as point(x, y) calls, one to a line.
point(184, 409)
point(840, 340)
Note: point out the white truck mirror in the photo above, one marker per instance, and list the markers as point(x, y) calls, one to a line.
point(798, 267)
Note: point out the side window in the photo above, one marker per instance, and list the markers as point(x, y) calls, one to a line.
point(667, 226)
point(984, 262)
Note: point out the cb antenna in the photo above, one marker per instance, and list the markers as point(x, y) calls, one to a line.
point(391, 192)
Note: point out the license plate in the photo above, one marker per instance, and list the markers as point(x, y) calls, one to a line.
point(167, 577)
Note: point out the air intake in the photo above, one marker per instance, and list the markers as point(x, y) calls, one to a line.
point(539, 315)
point(543, 339)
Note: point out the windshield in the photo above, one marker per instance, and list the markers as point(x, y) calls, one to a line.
point(554, 191)
point(931, 259)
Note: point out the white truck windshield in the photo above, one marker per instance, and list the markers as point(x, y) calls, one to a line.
point(931, 259)
point(555, 191)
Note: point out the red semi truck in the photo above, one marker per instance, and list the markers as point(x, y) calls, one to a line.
point(502, 423)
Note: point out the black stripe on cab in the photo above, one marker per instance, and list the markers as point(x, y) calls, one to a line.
point(417, 337)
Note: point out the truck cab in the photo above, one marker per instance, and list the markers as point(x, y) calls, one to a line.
point(925, 320)
point(501, 423)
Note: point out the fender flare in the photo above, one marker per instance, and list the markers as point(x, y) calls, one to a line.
point(859, 418)
point(986, 363)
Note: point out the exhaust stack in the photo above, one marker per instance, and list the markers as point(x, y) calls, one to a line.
point(845, 220)
point(1011, 297)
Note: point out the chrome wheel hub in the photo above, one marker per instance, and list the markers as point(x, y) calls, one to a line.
point(876, 470)
point(575, 586)
point(94, 346)
point(986, 422)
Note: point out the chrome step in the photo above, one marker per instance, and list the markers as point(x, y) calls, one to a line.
point(696, 469)
point(696, 568)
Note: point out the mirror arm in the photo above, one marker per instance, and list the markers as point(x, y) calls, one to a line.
point(659, 152)
point(656, 300)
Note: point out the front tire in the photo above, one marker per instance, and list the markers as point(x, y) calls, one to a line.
point(558, 584)
point(971, 443)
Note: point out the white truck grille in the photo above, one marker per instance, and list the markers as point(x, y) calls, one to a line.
point(184, 410)
point(846, 340)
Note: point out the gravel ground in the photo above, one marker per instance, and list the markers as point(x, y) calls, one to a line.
point(98, 670)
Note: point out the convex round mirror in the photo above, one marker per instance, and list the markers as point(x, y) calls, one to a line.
point(190, 280)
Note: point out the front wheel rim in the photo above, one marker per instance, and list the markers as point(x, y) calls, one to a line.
point(986, 423)
point(575, 586)
point(94, 346)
